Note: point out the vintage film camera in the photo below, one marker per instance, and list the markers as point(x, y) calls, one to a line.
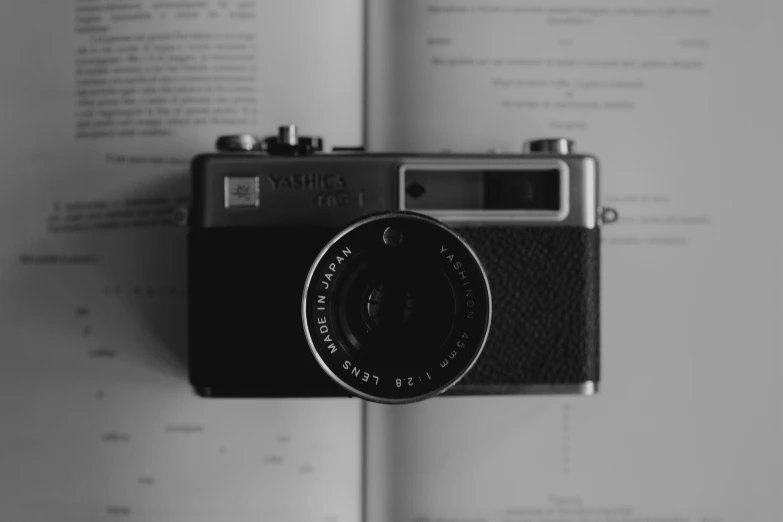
point(389, 276)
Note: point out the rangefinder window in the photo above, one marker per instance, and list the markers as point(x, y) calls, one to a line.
point(521, 190)
point(485, 189)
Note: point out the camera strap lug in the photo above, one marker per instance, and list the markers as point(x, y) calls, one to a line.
point(607, 215)
point(181, 216)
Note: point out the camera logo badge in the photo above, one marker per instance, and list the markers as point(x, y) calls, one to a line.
point(242, 192)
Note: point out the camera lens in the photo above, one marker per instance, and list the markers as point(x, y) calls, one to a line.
point(393, 309)
point(396, 308)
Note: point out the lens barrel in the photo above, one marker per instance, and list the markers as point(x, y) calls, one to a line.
point(396, 307)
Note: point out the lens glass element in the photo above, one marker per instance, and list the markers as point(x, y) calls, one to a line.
point(393, 309)
point(396, 308)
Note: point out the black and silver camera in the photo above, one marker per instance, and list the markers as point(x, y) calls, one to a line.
point(389, 276)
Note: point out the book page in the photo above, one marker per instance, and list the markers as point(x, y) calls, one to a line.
point(104, 103)
point(680, 103)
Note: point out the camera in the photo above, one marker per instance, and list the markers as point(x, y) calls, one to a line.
point(393, 277)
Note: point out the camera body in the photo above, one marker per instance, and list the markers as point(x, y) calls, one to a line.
point(263, 210)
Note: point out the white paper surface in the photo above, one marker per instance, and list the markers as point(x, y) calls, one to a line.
point(97, 420)
point(680, 103)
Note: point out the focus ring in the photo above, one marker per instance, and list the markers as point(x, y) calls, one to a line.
point(396, 308)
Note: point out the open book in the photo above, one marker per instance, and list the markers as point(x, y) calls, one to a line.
point(103, 105)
